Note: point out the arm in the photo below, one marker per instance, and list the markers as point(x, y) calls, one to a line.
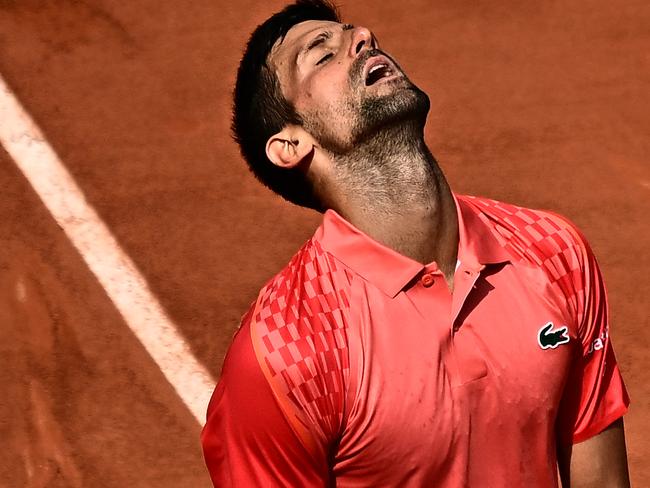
point(596, 462)
point(591, 439)
point(247, 441)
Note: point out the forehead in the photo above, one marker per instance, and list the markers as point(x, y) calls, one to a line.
point(285, 49)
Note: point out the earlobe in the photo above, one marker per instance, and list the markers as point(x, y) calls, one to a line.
point(287, 148)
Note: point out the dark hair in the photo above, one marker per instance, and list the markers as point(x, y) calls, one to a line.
point(260, 109)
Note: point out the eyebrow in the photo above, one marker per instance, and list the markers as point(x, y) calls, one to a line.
point(319, 39)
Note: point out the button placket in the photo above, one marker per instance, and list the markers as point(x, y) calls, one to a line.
point(470, 278)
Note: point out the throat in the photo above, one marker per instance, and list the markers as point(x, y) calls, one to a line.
point(417, 219)
point(390, 187)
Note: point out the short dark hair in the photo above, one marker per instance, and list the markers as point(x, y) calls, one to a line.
point(261, 110)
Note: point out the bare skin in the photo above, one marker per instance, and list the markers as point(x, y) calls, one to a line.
point(399, 197)
point(381, 177)
point(596, 462)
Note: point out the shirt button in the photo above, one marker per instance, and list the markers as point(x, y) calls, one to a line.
point(427, 280)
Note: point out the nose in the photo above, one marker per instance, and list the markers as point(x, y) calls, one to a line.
point(361, 39)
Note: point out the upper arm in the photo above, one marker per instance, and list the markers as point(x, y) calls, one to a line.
point(278, 410)
point(247, 440)
point(599, 461)
point(591, 441)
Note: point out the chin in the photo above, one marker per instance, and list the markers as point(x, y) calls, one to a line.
point(403, 104)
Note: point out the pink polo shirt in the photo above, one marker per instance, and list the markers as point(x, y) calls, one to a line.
point(357, 367)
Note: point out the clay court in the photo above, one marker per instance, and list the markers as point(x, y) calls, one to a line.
point(542, 104)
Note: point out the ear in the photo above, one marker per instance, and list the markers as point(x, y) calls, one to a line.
point(289, 146)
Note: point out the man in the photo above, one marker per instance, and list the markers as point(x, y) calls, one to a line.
point(419, 338)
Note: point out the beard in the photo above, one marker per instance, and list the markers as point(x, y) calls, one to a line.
point(375, 142)
point(367, 117)
point(405, 110)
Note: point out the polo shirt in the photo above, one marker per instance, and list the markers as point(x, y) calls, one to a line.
point(356, 366)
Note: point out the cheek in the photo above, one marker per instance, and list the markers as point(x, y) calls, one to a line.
point(326, 98)
point(329, 83)
point(318, 96)
point(327, 104)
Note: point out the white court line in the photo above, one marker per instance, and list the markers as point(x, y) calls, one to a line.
point(124, 284)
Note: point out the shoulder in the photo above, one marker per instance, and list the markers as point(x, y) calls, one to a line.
point(308, 290)
point(298, 330)
point(299, 316)
point(535, 236)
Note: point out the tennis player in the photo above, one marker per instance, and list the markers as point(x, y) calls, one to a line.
point(420, 338)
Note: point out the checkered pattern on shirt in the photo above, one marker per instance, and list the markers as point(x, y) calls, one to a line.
point(300, 324)
point(542, 239)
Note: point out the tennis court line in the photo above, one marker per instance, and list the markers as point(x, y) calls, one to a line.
point(117, 274)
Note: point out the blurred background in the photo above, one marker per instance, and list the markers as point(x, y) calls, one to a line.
point(543, 104)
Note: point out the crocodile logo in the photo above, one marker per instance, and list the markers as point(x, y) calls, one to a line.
point(550, 339)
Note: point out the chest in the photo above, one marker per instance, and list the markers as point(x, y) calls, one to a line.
point(431, 370)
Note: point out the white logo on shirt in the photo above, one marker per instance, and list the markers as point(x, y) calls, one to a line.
point(599, 343)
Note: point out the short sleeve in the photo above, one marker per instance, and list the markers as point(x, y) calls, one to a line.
point(594, 395)
point(247, 441)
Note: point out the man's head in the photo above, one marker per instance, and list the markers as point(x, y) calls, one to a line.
point(311, 89)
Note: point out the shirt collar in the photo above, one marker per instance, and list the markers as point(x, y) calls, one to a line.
point(478, 244)
point(391, 271)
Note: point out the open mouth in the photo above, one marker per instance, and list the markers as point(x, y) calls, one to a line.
point(379, 68)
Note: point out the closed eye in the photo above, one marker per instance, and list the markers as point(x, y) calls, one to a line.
point(325, 58)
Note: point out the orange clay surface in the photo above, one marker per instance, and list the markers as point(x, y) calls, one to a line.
point(543, 104)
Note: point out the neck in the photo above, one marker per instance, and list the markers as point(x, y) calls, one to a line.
point(391, 188)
